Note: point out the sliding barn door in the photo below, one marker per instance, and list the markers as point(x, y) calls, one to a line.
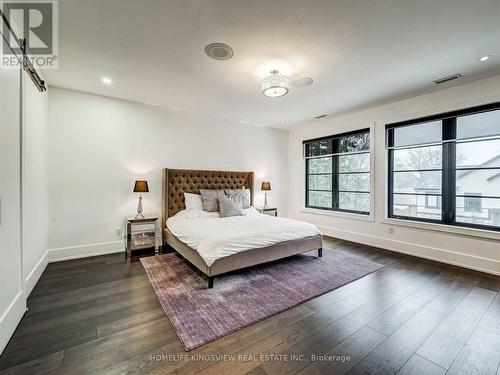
point(12, 298)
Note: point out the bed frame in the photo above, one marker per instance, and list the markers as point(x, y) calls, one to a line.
point(176, 182)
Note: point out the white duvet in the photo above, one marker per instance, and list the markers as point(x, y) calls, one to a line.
point(215, 237)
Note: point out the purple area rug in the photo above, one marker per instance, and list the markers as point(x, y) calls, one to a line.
point(239, 299)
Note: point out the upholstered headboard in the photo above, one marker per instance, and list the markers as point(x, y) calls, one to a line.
point(176, 182)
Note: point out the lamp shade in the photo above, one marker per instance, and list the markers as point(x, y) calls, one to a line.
point(266, 186)
point(141, 187)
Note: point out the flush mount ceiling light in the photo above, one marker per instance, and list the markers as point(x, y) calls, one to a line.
point(484, 58)
point(219, 51)
point(275, 85)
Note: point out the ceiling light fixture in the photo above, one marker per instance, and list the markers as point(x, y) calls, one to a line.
point(106, 80)
point(484, 58)
point(275, 85)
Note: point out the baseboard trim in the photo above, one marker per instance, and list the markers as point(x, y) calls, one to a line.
point(36, 272)
point(11, 318)
point(84, 251)
point(491, 266)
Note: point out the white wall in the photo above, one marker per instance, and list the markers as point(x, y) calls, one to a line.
point(461, 248)
point(98, 146)
point(35, 183)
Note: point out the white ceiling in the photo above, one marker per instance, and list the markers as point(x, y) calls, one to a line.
point(359, 52)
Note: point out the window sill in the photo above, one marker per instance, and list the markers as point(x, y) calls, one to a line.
point(464, 231)
point(339, 214)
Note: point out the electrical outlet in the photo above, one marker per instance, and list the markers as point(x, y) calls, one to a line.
point(391, 230)
point(119, 232)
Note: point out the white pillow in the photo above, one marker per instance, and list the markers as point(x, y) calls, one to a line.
point(250, 211)
point(247, 199)
point(249, 195)
point(193, 201)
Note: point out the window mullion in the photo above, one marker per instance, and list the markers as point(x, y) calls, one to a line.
point(390, 143)
point(335, 182)
point(335, 174)
point(307, 182)
point(449, 171)
point(452, 173)
point(390, 187)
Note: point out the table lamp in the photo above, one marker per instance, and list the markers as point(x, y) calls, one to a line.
point(140, 187)
point(266, 186)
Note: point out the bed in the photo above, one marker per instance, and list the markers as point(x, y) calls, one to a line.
point(280, 238)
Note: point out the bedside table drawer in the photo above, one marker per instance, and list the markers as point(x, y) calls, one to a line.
point(134, 228)
point(143, 240)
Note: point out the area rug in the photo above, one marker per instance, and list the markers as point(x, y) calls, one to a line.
point(239, 299)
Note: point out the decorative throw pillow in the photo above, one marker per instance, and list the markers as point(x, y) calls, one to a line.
point(230, 206)
point(210, 199)
point(246, 195)
point(238, 198)
point(193, 201)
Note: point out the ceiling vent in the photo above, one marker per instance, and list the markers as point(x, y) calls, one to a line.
point(219, 51)
point(447, 79)
point(320, 116)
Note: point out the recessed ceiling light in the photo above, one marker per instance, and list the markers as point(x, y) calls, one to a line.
point(106, 80)
point(219, 51)
point(484, 58)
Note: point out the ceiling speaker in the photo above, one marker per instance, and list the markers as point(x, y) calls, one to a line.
point(219, 51)
point(302, 81)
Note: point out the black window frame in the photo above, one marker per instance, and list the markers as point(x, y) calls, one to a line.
point(449, 168)
point(335, 139)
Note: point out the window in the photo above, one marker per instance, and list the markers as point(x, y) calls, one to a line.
point(432, 200)
point(473, 204)
point(435, 164)
point(338, 172)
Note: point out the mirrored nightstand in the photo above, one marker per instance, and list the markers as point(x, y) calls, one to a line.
point(142, 237)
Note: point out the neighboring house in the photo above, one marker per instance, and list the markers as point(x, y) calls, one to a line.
point(476, 191)
point(478, 183)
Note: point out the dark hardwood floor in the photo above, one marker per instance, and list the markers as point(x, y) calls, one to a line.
point(100, 315)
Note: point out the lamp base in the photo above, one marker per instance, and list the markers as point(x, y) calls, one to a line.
point(265, 201)
point(139, 209)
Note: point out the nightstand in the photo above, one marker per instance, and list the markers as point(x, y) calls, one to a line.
point(268, 211)
point(141, 236)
